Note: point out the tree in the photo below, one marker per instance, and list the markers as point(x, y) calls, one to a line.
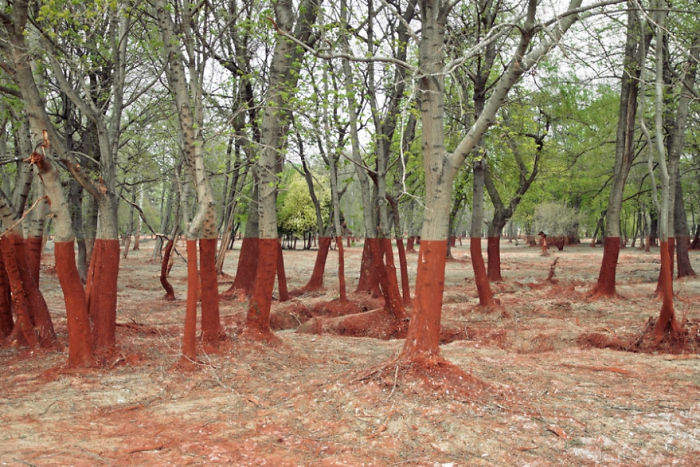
point(441, 167)
point(284, 72)
point(624, 150)
point(188, 94)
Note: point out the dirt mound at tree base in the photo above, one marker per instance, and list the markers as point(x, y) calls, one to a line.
point(687, 341)
point(297, 313)
point(432, 374)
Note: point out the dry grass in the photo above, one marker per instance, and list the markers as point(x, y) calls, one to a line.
point(301, 402)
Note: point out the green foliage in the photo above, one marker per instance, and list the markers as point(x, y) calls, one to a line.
point(296, 214)
point(554, 218)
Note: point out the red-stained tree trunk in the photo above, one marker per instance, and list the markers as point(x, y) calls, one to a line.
point(283, 76)
point(187, 93)
point(245, 271)
point(667, 323)
point(671, 246)
point(422, 342)
point(80, 352)
point(258, 316)
point(502, 211)
point(368, 281)
point(38, 310)
point(386, 276)
point(32, 248)
point(281, 275)
point(341, 269)
point(20, 304)
point(684, 268)
point(634, 55)
point(80, 339)
point(248, 256)
point(405, 286)
point(398, 234)
point(6, 322)
point(483, 285)
point(189, 335)
point(101, 289)
point(409, 244)
point(493, 250)
point(424, 328)
point(21, 278)
point(209, 295)
point(680, 222)
point(606, 277)
point(667, 319)
point(316, 280)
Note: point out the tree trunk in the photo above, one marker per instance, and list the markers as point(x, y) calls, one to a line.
point(75, 206)
point(165, 268)
point(137, 231)
point(281, 275)
point(422, 339)
point(6, 321)
point(634, 55)
point(667, 322)
point(677, 142)
point(165, 220)
point(80, 342)
point(245, 271)
point(283, 76)
point(483, 286)
point(188, 97)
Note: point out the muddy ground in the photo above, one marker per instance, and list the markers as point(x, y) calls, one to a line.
point(548, 400)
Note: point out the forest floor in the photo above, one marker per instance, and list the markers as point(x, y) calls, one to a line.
point(302, 402)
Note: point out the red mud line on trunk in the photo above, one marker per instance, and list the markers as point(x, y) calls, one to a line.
point(164, 269)
point(368, 275)
point(386, 275)
point(189, 351)
point(667, 320)
point(493, 250)
point(80, 353)
point(482, 283)
point(38, 310)
point(409, 244)
point(19, 295)
point(671, 247)
point(341, 268)
point(606, 277)
point(102, 299)
point(245, 271)
point(405, 286)
point(209, 295)
point(316, 279)
point(33, 247)
point(257, 325)
point(281, 275)
point(423, 336)
point(6, 322)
